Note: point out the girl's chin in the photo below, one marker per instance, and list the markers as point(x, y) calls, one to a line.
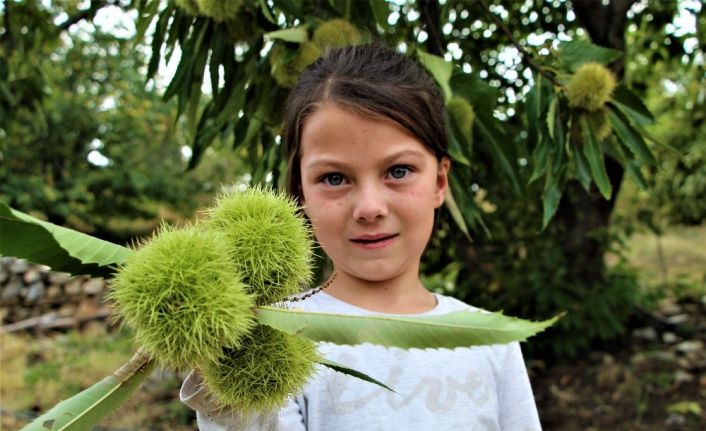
point(376, 275)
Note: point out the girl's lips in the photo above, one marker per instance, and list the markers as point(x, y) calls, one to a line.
point(371, 242)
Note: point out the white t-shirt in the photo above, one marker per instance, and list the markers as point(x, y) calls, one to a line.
point(476, 388)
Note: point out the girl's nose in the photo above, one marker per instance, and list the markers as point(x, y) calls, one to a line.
point(370, 204)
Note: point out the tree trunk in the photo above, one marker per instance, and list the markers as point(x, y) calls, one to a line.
point(582, 215)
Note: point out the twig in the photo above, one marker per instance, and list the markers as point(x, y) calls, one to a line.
point(526, 56)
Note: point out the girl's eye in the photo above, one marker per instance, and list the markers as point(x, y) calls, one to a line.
point(399, 172)
point(333, 179)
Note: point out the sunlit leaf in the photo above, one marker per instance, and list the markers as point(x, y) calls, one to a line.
point(296, 34)
point(85, 409)
point(60, 248)
point(439, 68)
point(458, 329)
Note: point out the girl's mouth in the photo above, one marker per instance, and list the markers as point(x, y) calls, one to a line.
point(374, 241)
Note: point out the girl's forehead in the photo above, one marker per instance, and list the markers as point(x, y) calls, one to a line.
point(333, 129)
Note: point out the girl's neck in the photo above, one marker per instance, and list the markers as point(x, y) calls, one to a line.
point(400, 295)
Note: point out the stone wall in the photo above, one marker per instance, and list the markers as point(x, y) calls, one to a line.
point(32, 298)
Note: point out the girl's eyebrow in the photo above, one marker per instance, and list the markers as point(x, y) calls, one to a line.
point(327, 162)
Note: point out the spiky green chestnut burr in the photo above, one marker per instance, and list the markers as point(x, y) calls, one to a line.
point(286, 73)
point(462, 112)
point(267, 242)
point(599, 121)
point(183, 298)
point(219, 10)
point(261, 375)
point(336, 33)
point(590, 87)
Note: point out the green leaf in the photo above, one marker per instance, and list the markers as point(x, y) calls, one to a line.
point(632, 106)
point(459, 183)
point(540, 159)
point(458, 329)
point(583, 173)
point(60, 248)
point(266, 11)
point(490, 134)
point(593, 152)
point(537, 104)
point(574, 53)
point(633, 169)
point(482, 96)
point(439, 68)
point(458, 152)
point(551, 116)
point(381, 11)
point(158, 39)
point(630, 137)
point(351, 372)
point(296, 34)
point(455, 212)
point(550, 200)
point(85, 409)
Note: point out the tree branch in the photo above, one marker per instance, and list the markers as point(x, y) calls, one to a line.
point(429, 13)
point(526, 56)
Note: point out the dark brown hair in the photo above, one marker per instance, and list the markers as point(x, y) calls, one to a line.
point(371, 80)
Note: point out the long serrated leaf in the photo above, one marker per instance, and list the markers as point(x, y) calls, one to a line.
point(455, 212)
point(60, 248)
point(439, 68)
point(633, 169)
point(630, 137)
point(351, 372)
point(574, 53)
point(533, 108)
point(583, 173)
point(484, 124)
point(458, 329)
point(632, 105)
point(596, 160)
point(550, 200)
point(459, 180)
point(85, 409)
point(540, 157)
point(157, 39)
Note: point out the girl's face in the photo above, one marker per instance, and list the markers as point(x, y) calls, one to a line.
point(370, 189)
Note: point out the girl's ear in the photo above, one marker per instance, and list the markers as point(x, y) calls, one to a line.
point(442, 181)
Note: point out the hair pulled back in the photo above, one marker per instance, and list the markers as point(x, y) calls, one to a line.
point(371, 80)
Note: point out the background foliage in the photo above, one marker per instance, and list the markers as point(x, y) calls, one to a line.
point(517, 165)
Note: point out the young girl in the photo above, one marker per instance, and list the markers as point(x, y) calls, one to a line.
point(366, 137)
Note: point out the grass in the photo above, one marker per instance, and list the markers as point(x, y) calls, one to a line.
point(38, 372)
point(676, 259)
